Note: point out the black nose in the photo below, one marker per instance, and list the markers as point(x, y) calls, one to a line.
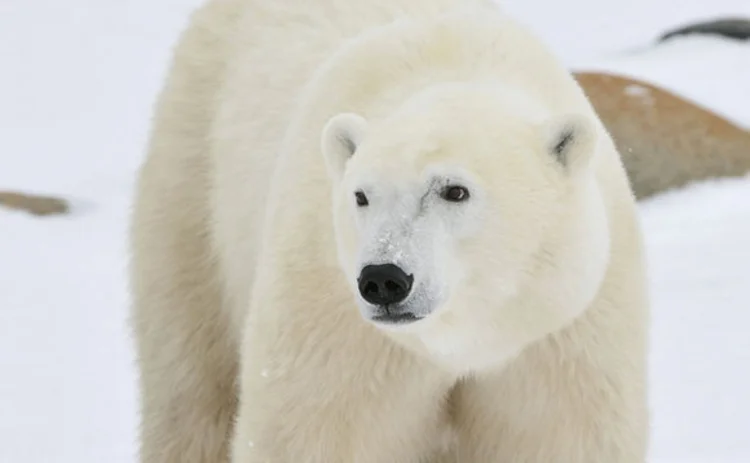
point(384, 284)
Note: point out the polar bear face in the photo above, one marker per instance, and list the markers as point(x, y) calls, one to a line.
point(468, 222)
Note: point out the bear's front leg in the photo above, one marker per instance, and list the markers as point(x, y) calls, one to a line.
point(547, 407)
point(328, 388)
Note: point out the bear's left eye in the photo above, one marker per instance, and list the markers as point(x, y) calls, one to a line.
point(361, 199)
point(454, 193)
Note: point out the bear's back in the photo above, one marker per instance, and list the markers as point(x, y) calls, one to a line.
point(272, 55)
point(272, 60)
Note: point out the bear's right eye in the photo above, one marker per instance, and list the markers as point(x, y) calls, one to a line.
point(455, 193)
point(361, 199)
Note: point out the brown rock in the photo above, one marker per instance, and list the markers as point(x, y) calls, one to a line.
point(665, 141)
point(36, 205)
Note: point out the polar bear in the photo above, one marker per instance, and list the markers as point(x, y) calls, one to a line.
point(379, 231)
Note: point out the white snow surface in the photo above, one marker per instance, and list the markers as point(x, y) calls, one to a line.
point(78, 81)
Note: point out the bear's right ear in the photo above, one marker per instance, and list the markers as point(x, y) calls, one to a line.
point(341, 137)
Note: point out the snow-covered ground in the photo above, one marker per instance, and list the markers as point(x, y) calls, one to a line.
point(76, 86)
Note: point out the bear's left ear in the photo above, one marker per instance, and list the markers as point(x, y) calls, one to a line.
point(570, 139)
point(341, 136)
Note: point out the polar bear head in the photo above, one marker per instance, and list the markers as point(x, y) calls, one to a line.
point(469, 221)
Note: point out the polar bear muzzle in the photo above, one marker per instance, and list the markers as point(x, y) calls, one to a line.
point(385, 287)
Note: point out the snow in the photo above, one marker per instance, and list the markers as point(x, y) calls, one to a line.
point(78, 81)
point(699, 256)
point(708, 70)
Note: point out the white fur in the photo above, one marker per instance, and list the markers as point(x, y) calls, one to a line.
point(247, 245)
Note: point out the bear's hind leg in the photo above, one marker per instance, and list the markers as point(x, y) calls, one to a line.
point(186, 352)
point(186, 356)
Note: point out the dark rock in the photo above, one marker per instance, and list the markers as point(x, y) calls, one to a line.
point(733, 28)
